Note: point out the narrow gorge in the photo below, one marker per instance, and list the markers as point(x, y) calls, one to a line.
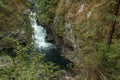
point(59, 40)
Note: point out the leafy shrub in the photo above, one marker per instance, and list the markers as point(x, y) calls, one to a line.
point(110, 61)
point(29, 66)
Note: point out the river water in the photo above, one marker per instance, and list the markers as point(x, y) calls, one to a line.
point(51, 52)
point(39, 35)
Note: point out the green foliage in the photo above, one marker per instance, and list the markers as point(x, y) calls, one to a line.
point(60, 27)
point(8, 44)
point(29, 66)
point(95, 60)
point(59, 22)
point(46, 10)
point(8, 41)
point(98, 62)
point(13, 20)
point(110, 61)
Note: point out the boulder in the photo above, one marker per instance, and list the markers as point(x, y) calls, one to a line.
point(68, 46)
point(49, 38)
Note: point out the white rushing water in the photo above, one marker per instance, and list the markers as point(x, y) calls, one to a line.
point(39, 34)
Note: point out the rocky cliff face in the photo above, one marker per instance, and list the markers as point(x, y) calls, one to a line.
point(72, 21)
point(65, 44)
point(58, 28)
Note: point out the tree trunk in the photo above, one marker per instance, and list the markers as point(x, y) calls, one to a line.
point(112, 27)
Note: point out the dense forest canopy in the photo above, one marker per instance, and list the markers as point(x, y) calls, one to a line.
point(87, 33)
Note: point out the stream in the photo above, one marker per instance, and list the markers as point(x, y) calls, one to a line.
point(39, 35)
point(52, 54)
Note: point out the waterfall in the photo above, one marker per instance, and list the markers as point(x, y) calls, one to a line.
point(52, 54)
point(39, 34)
